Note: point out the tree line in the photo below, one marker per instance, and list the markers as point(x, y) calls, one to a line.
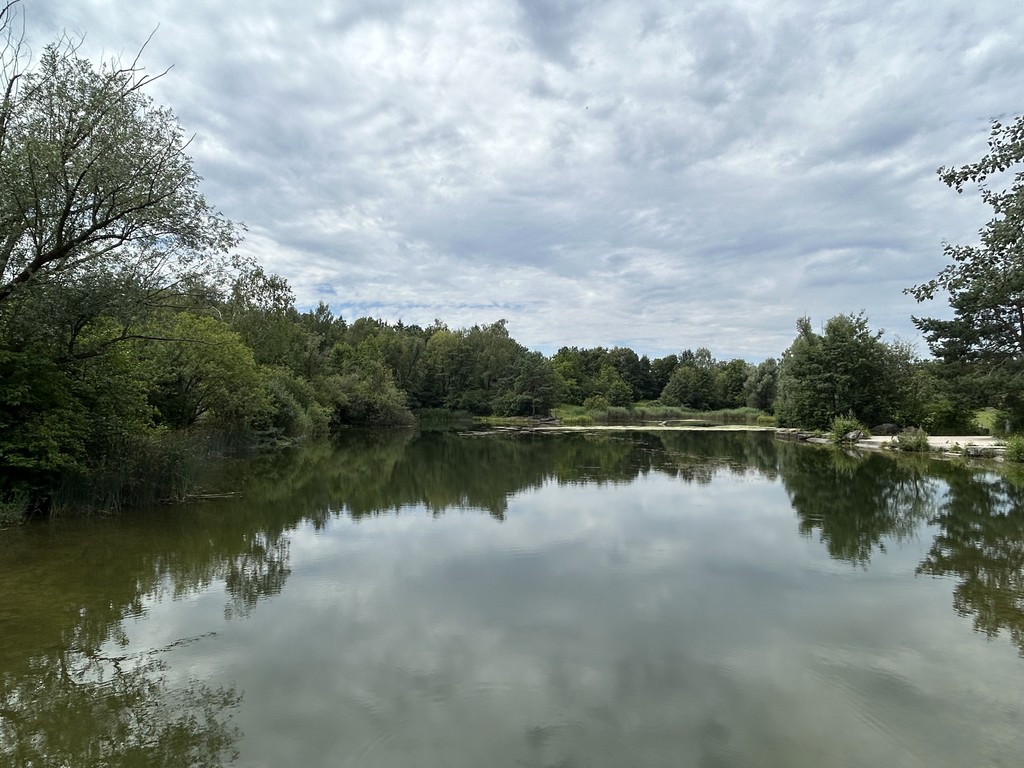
point(132, 330)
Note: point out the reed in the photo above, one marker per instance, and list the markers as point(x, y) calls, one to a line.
point(141, 470)
point(443, 420)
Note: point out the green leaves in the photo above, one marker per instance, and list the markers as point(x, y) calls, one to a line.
point(846, 370)
point(91, 170)
point(985, 282)
point(208, 372)
point(42, 425)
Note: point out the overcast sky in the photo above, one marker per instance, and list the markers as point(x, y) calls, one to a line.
point(659, 175)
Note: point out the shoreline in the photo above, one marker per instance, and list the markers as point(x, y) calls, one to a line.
point(985, 446)
point(649, 428)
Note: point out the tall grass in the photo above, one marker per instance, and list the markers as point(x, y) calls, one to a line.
point(141, 470)
point(14, 509)
point(1014, 449)
point(443, 420)
point(571, 415)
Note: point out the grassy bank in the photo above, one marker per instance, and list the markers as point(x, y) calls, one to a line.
point(576, 415)
point(136, 471)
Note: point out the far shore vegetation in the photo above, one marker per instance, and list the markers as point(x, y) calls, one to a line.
point(136, 341)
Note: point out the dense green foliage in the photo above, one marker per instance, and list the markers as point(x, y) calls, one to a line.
point(982, 346)
point(913, 440)
point(844, 429)
point(1015, 449)
point(846, 370)
point(133, 337)
point(599, 378)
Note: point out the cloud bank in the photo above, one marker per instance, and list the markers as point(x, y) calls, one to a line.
point(649, 174)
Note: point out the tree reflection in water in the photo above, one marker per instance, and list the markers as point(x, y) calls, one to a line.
point(64, 702)
point(981, 543)
point(855, 503)
point(85, 709)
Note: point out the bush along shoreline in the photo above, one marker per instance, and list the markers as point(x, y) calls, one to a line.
point(133, 327)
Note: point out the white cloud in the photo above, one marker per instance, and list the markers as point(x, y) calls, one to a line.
point(651, 175)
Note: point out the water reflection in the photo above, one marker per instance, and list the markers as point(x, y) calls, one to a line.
point(981, 543)
point(858, 503)
point(368, 474)
point(609, 626)
point(258, 572)
point(79, 708)
point(72, 691)
point(855, 503)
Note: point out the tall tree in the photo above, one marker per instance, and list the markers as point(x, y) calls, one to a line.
point(102, 228)
point(848, 369)
point(760, 385)
point(634, 370)
point(93, 172)
point(983, 345)
point(662, 369)
point(692, 383)
point(210, 374)
point(533, 389)
point(730, 380)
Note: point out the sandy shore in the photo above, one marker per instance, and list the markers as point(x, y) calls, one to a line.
point(939, 442)
point(650, 428)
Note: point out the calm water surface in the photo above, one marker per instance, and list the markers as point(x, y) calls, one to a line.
point(664, 599)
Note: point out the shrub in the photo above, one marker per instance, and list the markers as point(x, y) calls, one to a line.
point(617, 414)
point(912, 440)
point(943, 416)
point(14, 509)
point(1015, 448)
point(596, 403)
point(583, 420)
point(842, 426)
point(443, 420)
point(365, 398)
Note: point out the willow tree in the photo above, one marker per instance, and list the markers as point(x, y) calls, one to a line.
point(102, 227)
point(96, 184)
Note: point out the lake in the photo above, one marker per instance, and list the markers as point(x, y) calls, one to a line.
point(697, 598)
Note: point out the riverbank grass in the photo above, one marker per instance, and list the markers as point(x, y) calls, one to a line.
point(13, 510)
point(1014, 449)
point(654, 413)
